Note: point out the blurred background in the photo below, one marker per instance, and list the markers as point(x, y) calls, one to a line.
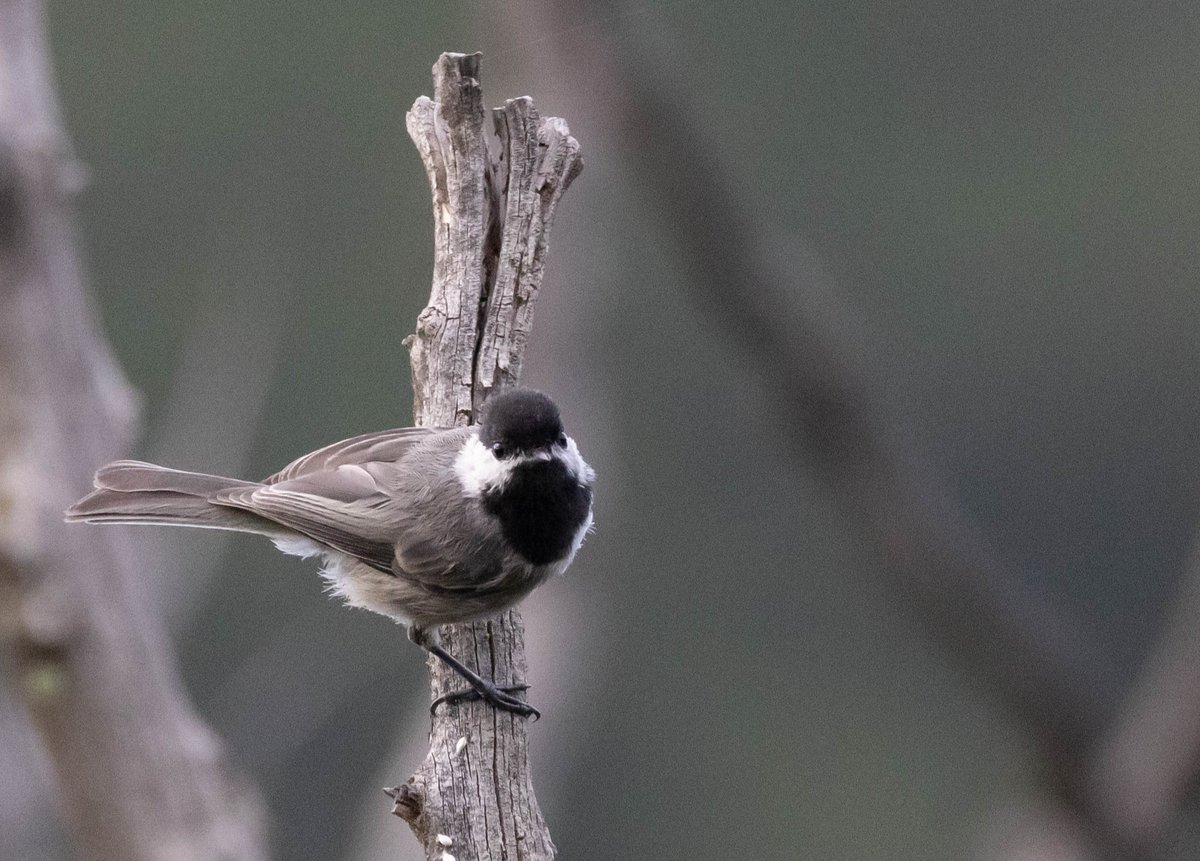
point(1000, 202)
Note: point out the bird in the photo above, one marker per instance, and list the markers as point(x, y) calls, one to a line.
point(427, 526)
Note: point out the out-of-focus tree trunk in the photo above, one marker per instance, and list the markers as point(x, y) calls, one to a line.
point(28, 828)
point(139, 776)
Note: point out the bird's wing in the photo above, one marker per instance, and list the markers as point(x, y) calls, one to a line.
point(341, 508)
point(345, 496)
point(381, 446)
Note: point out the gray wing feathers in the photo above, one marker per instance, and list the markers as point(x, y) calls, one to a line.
point(353, 526)
point(131, 491)
point(128, 475)
point(164, 506)
point(382, 446)
point(350, 496)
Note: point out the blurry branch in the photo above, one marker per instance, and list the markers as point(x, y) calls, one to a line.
point(139, 776)
point(1151, 755)
point(1046, 831)
point(1130, 789)
point(493, 205)
point(764, 296)
point(1042, 667)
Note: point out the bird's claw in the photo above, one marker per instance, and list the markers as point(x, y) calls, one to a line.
point(498, 697)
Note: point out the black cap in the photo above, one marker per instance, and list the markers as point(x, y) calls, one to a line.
point(521, 419)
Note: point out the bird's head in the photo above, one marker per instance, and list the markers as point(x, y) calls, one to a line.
point(522, 423)
point(521, 431)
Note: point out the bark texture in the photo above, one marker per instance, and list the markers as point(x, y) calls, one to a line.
point(494, 190)
point(139, 776)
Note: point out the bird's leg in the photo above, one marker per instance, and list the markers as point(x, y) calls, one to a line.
point(481, 689)
point(499, 697)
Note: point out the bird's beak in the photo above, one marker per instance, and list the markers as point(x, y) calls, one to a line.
point(541, 454)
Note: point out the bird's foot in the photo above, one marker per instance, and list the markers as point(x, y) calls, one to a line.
point(498, 697)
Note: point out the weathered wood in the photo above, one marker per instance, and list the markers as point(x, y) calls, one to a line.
point(139, 776)
point(542, 160)
point(449, 135)
point(494, 197)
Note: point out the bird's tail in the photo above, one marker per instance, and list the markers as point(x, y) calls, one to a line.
point(129, 491)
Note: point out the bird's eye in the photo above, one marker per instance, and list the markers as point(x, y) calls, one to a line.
point(562, 440)
point(500, 450)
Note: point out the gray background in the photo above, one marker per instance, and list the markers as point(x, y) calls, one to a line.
point(1006, 194)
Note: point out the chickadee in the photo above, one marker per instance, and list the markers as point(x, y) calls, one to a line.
point(425, 526)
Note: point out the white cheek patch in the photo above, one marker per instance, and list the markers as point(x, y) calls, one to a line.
point(582, 534)
point(560, 567)
point(575, 462)
point(478, 469)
